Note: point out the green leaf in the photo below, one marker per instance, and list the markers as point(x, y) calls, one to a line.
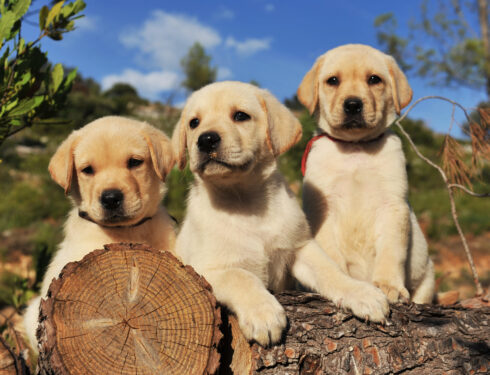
point(43, 14)
point(7, 22)
point(26, 106)
point(54, 12)
point(78, 6)
point(56, 78)
point(20, 8)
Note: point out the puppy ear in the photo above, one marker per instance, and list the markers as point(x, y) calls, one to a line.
point(62, 163)
point(283, 128)
point(402, 92)
point(179, 140)
point(161, 152)
point(308, 89)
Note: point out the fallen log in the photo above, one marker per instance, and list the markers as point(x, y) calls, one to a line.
point(321, 339)
point(128, 309)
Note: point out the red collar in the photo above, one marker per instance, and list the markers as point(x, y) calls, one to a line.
point(312, 140)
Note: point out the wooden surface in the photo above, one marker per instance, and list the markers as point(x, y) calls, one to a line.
point(128, 309)
point(321, 339)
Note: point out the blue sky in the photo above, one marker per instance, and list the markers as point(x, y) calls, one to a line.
point(270, 41)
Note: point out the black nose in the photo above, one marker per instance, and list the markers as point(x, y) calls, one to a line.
point(352, 106)
point(111, 199)
point(208, 141)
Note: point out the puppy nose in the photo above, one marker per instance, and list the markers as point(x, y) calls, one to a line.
point(208, 141)
point(352, 106)
point(111, 199)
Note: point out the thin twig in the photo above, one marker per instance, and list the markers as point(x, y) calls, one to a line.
point(468, 191)
point(479, 289)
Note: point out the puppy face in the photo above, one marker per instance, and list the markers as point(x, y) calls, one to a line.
point(116, 167)
point(229, 128)
point(358, 89)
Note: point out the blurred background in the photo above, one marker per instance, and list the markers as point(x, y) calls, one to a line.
point(142, 59)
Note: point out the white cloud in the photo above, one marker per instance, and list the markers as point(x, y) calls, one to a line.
point(149, 85)
point(248, 46)
point(86, 23)
point(270, 7)
point(224, 73)
point(165, 38)
point(225, 14)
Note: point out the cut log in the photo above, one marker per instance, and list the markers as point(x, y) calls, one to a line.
point(128, 309)
point(11, 363)
point(321, 339)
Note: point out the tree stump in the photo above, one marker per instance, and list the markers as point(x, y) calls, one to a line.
point(128, 309)
point(10, 362)
point(321, 339)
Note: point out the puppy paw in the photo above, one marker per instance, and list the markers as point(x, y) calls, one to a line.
point(366, 302)
point(394, 293)
point(263, 321)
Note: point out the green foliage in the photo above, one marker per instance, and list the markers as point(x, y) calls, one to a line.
point(441, 47)
point(124, 97)
point(196, 67)
point(31, 89)
point(14, 290)
point(290, 162)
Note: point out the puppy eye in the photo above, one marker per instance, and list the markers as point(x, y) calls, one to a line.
point(133, 163)
point(374, 80)
point(88, 170)
point(241, 116)
point(194, 123)
point(333, 81)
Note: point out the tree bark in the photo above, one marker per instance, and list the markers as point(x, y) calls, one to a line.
point(321, 339)
point(128, 309)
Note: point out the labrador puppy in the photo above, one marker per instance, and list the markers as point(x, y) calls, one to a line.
point(355, 182)
point(114, 170)
point(244, 230)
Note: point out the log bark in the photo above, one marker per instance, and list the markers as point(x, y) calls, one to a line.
point(321, 339)
point(128, 309)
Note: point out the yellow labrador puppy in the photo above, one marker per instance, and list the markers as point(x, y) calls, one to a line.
point(114, 169)
point(244, 230)
point(355, 184)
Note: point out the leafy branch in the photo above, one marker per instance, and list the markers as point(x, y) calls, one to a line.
point(455, 168)
point(32, 89)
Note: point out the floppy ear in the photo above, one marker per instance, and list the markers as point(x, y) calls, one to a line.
point(402, 92)
point(161, 152)
point(62, 164)
point(308, 89)
point(179, 140)
point(283, 128)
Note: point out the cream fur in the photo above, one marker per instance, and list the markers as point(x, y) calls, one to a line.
point(106, 144)
point(355, 194)
point(244, 230)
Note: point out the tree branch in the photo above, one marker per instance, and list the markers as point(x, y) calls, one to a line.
point(479, 289)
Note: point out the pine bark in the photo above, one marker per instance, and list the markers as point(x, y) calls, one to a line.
point(321, 339)
point(129, 309)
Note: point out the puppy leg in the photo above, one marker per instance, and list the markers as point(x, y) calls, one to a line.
point(314, 269)
point(260, 315)
point(31, 321)
point(424, 293)
point(392, 236)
